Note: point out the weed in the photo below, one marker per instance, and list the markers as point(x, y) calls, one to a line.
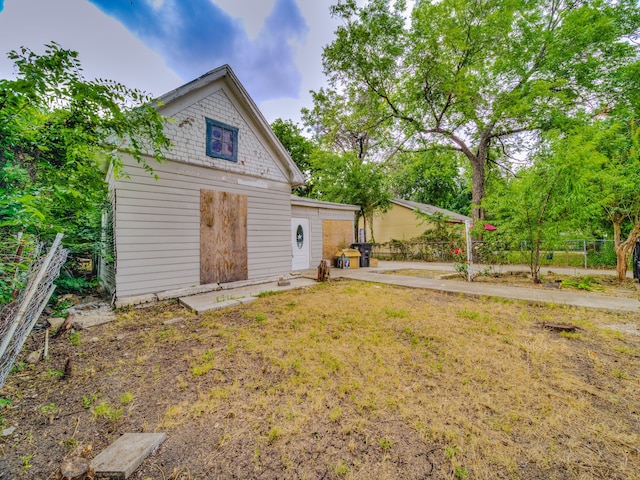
point(18, 367)
point(588, 283)
point(4, 402)
point(205, 363)
point(61, 308)
point(341, 468)
point(88, 400)
point(335, 414)
point(70, 443)
point(260, 317)
point(450, 451)
point(49, 409)
point(267, 293)
point(54, 374)
point(126, 398)
point(104, 410)
point(385, 444)
point(74, 339)
point(274, 434)
point(461, 472)
point(26, 462)
point(468, 314)
point(571, 335)
point(621, 374)
point(396, 313)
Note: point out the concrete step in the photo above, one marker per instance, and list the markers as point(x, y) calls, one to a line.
point(120, 459)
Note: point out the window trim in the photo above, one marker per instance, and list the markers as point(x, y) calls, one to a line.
point(233, 130)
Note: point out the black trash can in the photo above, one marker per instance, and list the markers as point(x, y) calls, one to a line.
point(365, 252)
point(636, 261)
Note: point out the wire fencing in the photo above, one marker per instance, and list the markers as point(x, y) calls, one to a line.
point(26, 278)
point(590, 253)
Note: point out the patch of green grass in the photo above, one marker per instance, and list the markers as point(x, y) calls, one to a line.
point(87, 400)
point(587, 283)
point(261, 317)
point(396, 312)
point(468, 314)
point(26, 462)
point(268, 293)
point(107, 411)
point(54, 374)
point(274, 434)
point(341, 468)
point(74, 339)
point(126, 398)
point(204, 364)
point(385, 444)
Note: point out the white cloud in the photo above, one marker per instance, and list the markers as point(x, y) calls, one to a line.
point(253, 13)
point(106, 48)
point(308, 60)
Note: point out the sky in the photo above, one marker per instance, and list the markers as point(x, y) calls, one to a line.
point(273, 46)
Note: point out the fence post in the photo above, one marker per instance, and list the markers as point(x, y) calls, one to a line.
point(467, 231)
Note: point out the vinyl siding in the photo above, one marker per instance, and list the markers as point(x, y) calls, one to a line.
point(157, 226)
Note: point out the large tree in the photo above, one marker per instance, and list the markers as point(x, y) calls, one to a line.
point(475, 74)
point(57, 133)
point(299, 147)
point(618, 184)
point(346, 178)
point(553, 197)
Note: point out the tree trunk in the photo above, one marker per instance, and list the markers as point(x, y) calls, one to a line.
point(477, 186)
point(622, 249)
point(621, 263)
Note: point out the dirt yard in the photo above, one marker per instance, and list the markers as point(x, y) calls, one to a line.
point(343, 380)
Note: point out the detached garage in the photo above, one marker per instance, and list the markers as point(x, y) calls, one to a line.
point(220, 209)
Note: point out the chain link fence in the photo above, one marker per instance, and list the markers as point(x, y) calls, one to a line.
point(593, 253)
point(27, 274)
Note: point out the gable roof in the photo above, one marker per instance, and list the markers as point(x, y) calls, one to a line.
point(430, 209)
point(226, 74)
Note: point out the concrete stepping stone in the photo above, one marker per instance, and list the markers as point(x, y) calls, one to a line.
point(120, 459)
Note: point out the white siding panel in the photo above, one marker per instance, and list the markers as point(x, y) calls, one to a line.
point(158, 226)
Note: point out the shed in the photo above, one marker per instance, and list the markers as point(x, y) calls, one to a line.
point(401, 222)
point(220, 210)
point(328, 225)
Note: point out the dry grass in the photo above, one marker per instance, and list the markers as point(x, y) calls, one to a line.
point(356, 380)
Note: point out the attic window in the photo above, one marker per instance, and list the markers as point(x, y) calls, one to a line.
point(222, 141)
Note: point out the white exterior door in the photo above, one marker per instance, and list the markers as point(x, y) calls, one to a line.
point(300, 243)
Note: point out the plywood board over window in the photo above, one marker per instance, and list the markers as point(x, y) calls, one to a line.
point(223, 237)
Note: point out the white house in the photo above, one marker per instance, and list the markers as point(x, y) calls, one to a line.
point(221, 208)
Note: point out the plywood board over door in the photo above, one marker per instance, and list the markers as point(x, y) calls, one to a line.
point(223, 237)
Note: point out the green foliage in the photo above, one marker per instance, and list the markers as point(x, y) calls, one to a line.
point(16, 254)
point(107, 411)
point(587, 283)
point(544, 202)
point(474, 76)
point(432, 177)
point(349, 179)
point(299, 147)
point(58, 131)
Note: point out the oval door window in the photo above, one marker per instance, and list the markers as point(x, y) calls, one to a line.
point(299, 236)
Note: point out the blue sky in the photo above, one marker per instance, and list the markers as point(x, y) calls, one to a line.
point(274, 46)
